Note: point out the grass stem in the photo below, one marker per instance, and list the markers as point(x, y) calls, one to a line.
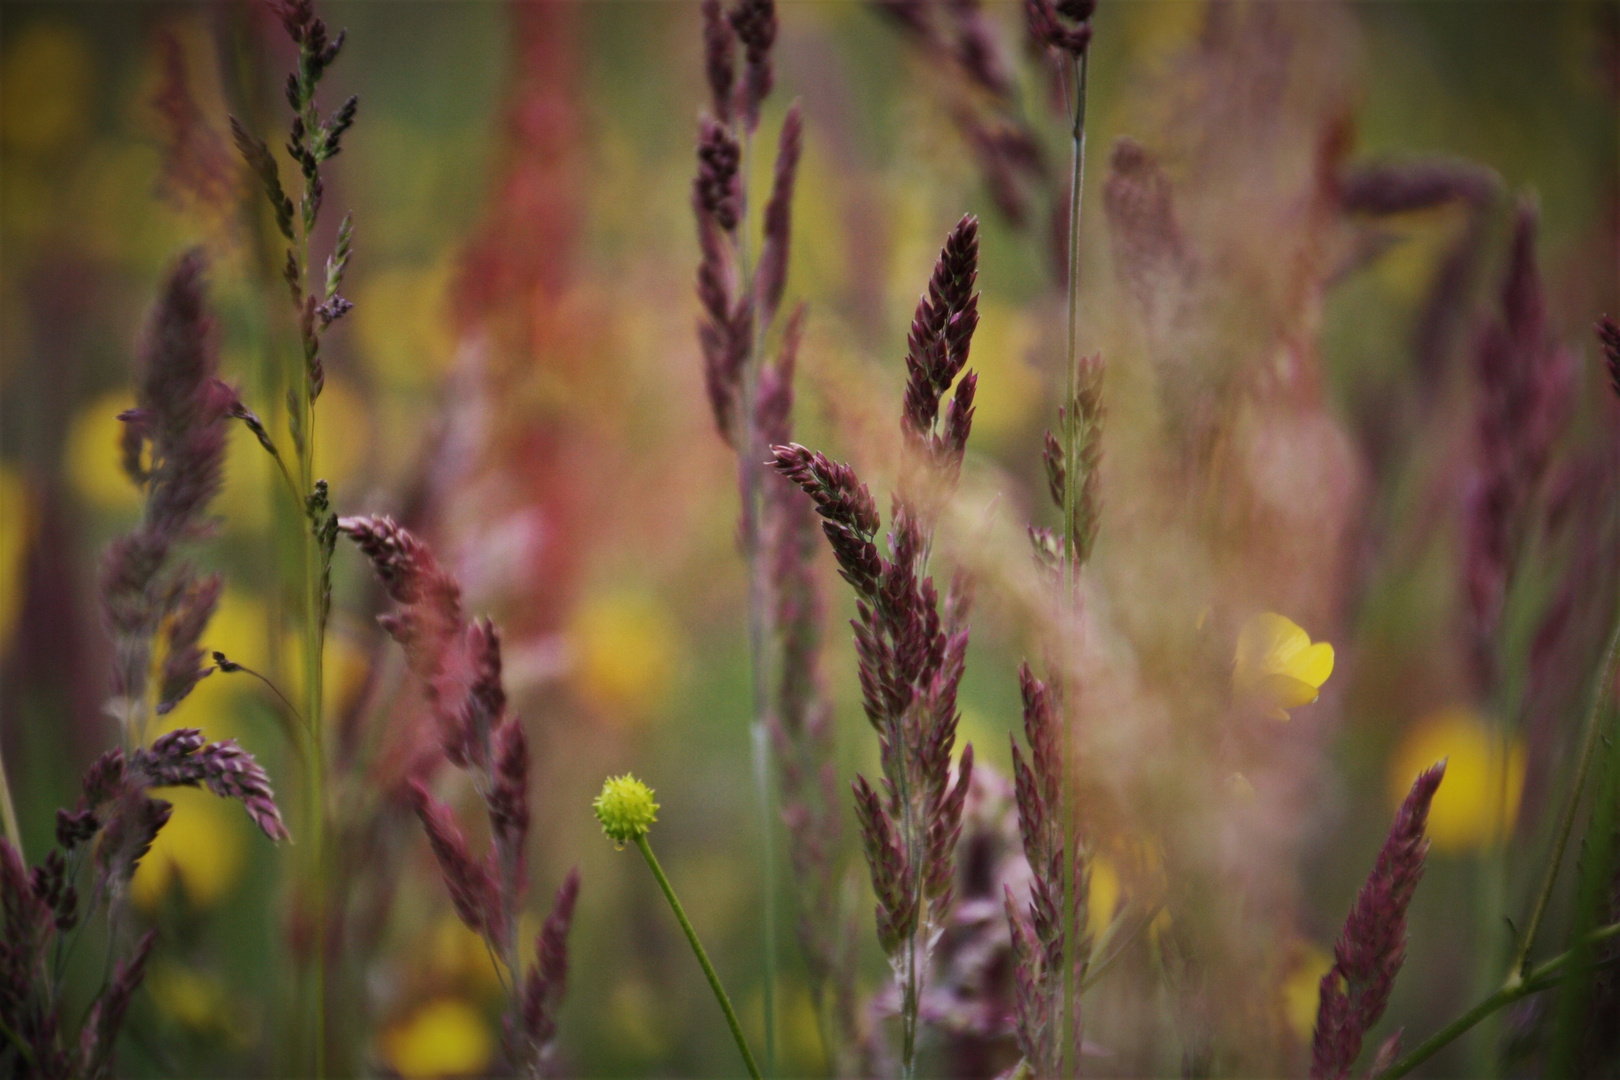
point(1533, 981)
point(750, 463)
point(9, 810)
point(1566, 821)
point(1078, 67)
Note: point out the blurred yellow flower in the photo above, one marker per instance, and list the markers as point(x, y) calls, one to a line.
point(16, 525)
point(625, 644)
point(1302, 988)
point(1102, 899)
point(402, 324)
point(45, 87)
point(93, 455)
point(445, 1037)
point(239, 631)
point(1277, 667)
point(201, 847)
point(344, 667)
point(1009, 385)
point(194, 998)
point(1479, 801)
point(459, 957)
point(342, 433)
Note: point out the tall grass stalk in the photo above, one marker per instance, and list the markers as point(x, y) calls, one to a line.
point(9, 810)
point(1566, 821)
point(751, 455)
point(1542, 977)
point(1073, 477)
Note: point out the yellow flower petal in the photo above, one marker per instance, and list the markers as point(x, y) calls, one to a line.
point(1479, 801)
point(446, 1037)
point(1302, 989)
point(16, 525)
point(200, 846)
point(1312, 665)
point(1277, 667)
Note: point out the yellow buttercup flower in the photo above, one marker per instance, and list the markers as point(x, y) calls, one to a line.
point(1479, 801)
point(625, 643)
point(1278, 667)
point(445, 1037)
point(94, 456)
point(201, 847)
point(16, 525)
point(1302, 988)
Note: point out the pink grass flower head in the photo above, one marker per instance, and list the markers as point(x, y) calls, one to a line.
point(1372, 945)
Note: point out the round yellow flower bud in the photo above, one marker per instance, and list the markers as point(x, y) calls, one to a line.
point(625, 808)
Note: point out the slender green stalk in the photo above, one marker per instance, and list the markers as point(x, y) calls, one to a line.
point(750, 461)
point(703, 957)
point(1533, 981)
point(1566, 821)
point(1071, 556)
point(9, 810)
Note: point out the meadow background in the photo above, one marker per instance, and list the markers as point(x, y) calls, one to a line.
point(521, 377)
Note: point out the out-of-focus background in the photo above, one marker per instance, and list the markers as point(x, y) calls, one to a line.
point(520, 378)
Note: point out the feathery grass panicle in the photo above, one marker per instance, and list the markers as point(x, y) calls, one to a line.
point(770, 276)
point(801, 720)
point(184, 758)
point(910, 653)
point(1040, 950)
point(1526, 382)
point(459, 664)
point(1609, 337)
point(1372, 946)
point(1064, 25)
point(754, 22)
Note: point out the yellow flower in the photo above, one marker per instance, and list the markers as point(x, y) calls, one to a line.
point(238, 629)
point(93, 454)
point(16, 525)
point(194, 998)
point(201, 846)
point(625, 644)
point(1277, 666)
point(1103, 896)
point(625, 808)
point(1302, 988)
point(1479, 801)
point(47, 81)
point(445, 1037)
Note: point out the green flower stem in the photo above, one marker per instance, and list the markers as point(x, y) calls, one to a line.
point(703, 957)
point(1566, 822)
point(1534, 981)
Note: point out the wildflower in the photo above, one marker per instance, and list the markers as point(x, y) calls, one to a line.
point(1484, 779)
point(16, 526)
point(200, 847)
point(92, 454)
point(1301, 988)
point(445, 1037)
point(1278, 667)
point(627, 652)
point(626, 809)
